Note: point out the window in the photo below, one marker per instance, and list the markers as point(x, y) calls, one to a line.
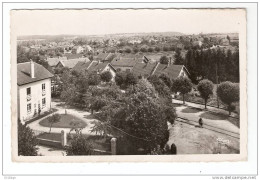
point(29, 108)
point(43, 89)
point(28, 92)
point(43, 102)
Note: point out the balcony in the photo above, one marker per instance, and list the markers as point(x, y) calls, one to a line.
point(29, 97)
point(43, 92)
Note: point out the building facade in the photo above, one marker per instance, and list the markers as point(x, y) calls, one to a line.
point(33, 90)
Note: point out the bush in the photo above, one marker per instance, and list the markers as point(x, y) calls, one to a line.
point(106, 76)
point(128, 50)
point(26, 141)
point(79, 145)
point(143, 49)
point(164, 60)
point(150, 49)
point(157, 49)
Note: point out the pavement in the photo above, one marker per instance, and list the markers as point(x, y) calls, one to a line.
point(209, 108)
point(83, 115)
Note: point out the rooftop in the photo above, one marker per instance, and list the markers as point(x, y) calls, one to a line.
point(24, 73)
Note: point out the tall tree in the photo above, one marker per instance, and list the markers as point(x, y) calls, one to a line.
point(205, 88)
point(182, 85)
point(178, 58)
point(228, 93)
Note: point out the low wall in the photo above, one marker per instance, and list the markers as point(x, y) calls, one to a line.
point(51, 143)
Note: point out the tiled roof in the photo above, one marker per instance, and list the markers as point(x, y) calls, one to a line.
point(143, 69)
point(101, 56)
point(24, 71)
point(91, 66)
point(73, 56)
point(54, 61)
point(124, 62)
point(72, 62)
point(172, 71)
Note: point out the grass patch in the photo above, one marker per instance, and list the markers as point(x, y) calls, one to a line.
point(191, 110)
point(46, 113)
point(66, 121)
point(211, 116)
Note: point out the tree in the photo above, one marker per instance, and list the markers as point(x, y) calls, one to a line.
point(182, 85)
point(79, 145)
point(120, 78)
point(130, 79)
point(228, 93)
point(157, 49)
point(135, 50)
point(164, 60)
point(166, 79)
point(178, 58)
point(93, 78)
point(26, 141)
point(150, 49)
point(106, 76)
point(128, 50)
point(205, 87)
point(53, 119)
point(143, 49)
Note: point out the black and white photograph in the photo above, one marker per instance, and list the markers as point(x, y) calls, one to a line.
point(156, 84)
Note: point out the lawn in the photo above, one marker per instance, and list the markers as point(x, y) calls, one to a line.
point(46, 113)
point(66, 121)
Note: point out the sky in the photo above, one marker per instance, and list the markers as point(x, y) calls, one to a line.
point(98, 22)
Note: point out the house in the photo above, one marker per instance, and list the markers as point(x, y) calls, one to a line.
point(33, 90)
point(77, 49)
point(73, 56)
point(148, 69)
point(70, 63)
point(104, 57)
point(125, 63)
point(95, 66)
point(54, 61)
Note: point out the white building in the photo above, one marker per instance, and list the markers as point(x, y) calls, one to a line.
point(33, 90)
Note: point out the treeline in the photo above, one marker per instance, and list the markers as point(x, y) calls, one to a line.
point(215, 65)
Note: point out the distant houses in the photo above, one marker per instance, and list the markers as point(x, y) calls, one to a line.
point(94, 66)
point(70, 63)
point(33, 90)
point(147, 69)
point(54, 61)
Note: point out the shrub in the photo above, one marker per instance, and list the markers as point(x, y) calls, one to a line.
point(164, 60)
point(106, 76)
point(79, 145)
point(26, 141)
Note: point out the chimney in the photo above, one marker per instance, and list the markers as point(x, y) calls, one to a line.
point(32, 69)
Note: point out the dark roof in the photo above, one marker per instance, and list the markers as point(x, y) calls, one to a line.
point(124, 62)
point(172, 71)
point(91, 66)
point(73, 56)
point(143, 69)
point(101, 56)
point(24, 71)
